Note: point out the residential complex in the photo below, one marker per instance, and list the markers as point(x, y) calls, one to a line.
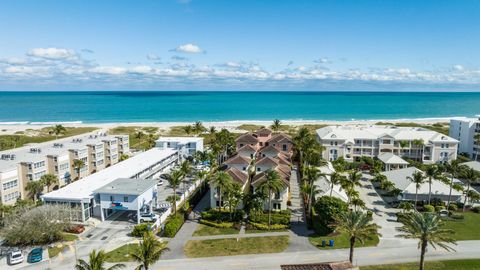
point(467, 131)
point(257, 153)
point(354, 141)
point(19, 166)
point(87, 194)
point(186, 146)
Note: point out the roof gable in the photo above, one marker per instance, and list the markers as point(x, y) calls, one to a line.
point(238, 159)
point(247, 137)
point(237, 175)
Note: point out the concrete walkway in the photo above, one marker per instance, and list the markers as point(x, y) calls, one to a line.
point(298, 225)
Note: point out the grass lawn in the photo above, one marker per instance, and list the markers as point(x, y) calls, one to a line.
point(54, 251)
point(121, 254)
point(434, 265)
point(230, 246)
point(69, 237)
point(38, 136)
point(203, 230)
point(466, 229)
point(341, 241)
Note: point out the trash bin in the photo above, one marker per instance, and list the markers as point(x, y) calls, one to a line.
point(324, 243)
point(331, 243)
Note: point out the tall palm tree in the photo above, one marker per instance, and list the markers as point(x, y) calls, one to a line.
point(353, 180)
point(174, 179)
point(212, 130)
point(186, 169)
point(58, 129)
point(427, 227)
point(198, 127)
point(431, 172)
point(469, 177)
point(78, 164)
point(139, 134)
point(188, 129)
point(222, 181)
point(357, 225)
point(272, 184)
point(49, 180)
point(276, 125)
point(151, 140)
point(336, 179)
point(149, 251)
point(96, 261)
point(311, 174)
point(453, 168)
point(418, 179)
point(301, 141)
point(34, 188)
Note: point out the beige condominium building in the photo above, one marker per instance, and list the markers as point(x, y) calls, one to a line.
point(354, 141)
point(467, 131)
point(21, 165)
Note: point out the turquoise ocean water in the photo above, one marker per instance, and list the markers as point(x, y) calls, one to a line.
point(134, 106)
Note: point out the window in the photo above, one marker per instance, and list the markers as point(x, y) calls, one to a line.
point(10, 184)
point(38, 164)
point(11, 196)
point(125, 199)
point(277, 195)
point(258, 169)
point(284, 147)
point(244, 168)
point(111, 198)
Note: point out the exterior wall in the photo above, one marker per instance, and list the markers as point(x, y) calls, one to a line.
point(278, 202)
point(111, 155)
point(465, 131)
point(10, 187)
point(96, 157)
point(241, 167)
point(424, 197)
point(240, 144)
point(246, 153)
point(123, 144)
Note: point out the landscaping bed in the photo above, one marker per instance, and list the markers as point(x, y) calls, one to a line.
point(433, 265)
point(121, 254)
point(232, 246)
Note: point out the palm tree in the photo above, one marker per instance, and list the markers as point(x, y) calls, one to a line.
point(198, 127)
point(96, 261)
point(301, 141)
point(311, 174)
point(78, 165)
point(149, 251)
point(272, 184)
point(431, 172)
point(188, 129)
point(212, 130)
point(139, 134)
point(353, 180)
point(453, 168)
point(151, 140)
point(276, 125)
point(469, 177)
point(234, 196)
point(418, 179)
point(34, 188)
point(357, 225)
point(174, 179)
point(186, 169)
point(427, 227)
point(58, 129)
point(222, 181)
point(49, 180)
point(336, 179)
point(477, 142)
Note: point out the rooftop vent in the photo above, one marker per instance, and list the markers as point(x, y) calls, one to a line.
point(35, 150)
point(8, 157)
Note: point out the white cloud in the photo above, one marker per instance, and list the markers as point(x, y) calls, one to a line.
point(458, 68)
point(188, 48)
point(141, 69)
point(52, 53)
point(322, 60)
point(153, 57)
point(110, 70)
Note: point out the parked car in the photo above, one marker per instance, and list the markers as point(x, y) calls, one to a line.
point(76, 229)
point(148, 217)
point(160, 182)
point(36, 255)
point(15, 257)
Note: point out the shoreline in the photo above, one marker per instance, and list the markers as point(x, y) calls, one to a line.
point(9, 128)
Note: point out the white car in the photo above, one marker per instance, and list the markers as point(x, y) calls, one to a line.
point(148, 217)
point(15, 257)
point(160, 182)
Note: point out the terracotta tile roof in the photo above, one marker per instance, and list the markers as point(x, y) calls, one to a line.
point(267, 161)
point(238, 159)
point(280, 138)
point(263, 132)
point(345, 265)
point(247, 137)
point(260, 177)
point(247, 147)
point(269, 149)
point(237, 175)
point(283, 159)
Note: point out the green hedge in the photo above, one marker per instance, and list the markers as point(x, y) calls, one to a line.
point(140, 229)
point(327, 208)
point(476, 209)
point(173, 225)
point(260, 226)
point(429, 208)
point(281, 217)
point(215, 224)
point(223, 215)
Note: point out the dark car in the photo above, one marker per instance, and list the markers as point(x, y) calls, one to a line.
point(35, 255)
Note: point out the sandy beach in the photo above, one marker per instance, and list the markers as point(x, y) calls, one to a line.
point(11, 128)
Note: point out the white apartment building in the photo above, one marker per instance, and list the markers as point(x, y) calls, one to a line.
point(21, 165)
point(467, 131)
point(354, 141)
point(186, 146)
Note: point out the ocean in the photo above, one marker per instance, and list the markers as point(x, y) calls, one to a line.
point(170, 106)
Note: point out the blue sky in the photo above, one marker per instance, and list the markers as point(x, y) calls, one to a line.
point(240, 45)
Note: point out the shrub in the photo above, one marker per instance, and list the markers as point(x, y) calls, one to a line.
point(369, 214)
point(429, 208)
point(457, 216)
point(281, 217)
point(437, 202)
point(439, 208)
point(215, 224)
point(264, 227)
point(327, 208)
point(173, 225)
point(453, 207)
point(222, 216)
point(476, 209)
point(140, 229)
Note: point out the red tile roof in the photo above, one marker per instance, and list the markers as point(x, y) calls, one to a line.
point(280, 138)
point(247, 137)
point(247, 147)
point(237, 175)
point(238, 159)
